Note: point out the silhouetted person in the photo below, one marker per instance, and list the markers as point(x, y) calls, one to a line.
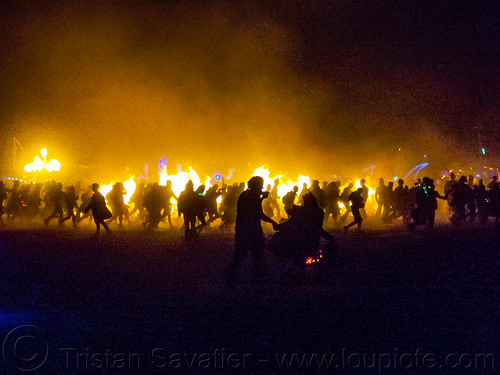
point(319, 194)
point(481, 201)
point(24, 195)
point(211, 196)
point(201, 208)
point(344, 198)
point(117, 204)
point(357, 203)
point(274, 198)
point(387, 198)
point(447, 188)
point(136, 200)
point(379, 191)
point(153, 202)
point(426, 203)
point(85, 198)
point(289, 200)
point(168, 194)
point(33, 201)
point(460, 193)
point(249, 236)
point(300, 236)
point(493, 183)
point(332, 208)
point(70, 198)
point(99, 210)
point(230, 205)
point(364, 195)
point(471, 201)
point(3, 197)
point(14, 204)
point(266, 203)
point(56, 198)
point(186, 206)
point(303, 192)
point(494, 200)
point(400, 202)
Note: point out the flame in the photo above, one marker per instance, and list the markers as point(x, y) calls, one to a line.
point(105, 189)
point(283, 187)
point(357, 185)
point(180, 180)
point(128, 185)
point(265, 173)
point(38, 164)
point(53, 165)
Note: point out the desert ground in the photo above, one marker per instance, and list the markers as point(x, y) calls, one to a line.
point(150, 302)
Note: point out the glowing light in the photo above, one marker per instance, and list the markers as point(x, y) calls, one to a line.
point(129, 187)
point(283, 187)
point(180, 180)
point(53, 165)
point(357, 185)
point(416, 170)
point(311, 260)
point(483, 151)
point(265, 174)
point(38, 164)
point(105, 189)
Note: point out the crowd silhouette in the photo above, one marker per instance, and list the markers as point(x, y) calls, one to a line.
point(300, 236)
point(467, 199)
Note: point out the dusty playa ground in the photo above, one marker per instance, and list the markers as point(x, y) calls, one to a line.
point(138, 302)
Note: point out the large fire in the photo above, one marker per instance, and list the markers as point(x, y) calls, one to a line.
point(38, 164)
point(180, 179)
point(128, 185)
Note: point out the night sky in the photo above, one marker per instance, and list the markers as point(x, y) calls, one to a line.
point(316, 87)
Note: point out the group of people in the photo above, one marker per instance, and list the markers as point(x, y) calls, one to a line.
point(297, 235)
point(469, 200)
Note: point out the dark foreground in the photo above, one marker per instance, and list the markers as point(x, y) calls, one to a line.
point(140, 302)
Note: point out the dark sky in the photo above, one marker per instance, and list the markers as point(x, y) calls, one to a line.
point(312, 87)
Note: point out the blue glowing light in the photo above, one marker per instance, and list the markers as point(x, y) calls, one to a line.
point(416, 170)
